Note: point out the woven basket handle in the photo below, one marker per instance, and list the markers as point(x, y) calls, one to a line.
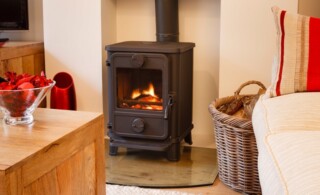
point(236, 93)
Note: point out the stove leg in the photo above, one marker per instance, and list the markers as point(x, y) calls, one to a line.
point(173, 153)
point(113, 150)
point(188, 139)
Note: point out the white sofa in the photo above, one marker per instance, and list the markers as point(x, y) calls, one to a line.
point(286, 120)
point(287, 130)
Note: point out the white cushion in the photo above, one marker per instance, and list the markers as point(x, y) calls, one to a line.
point(296, 156)
point(287, 130)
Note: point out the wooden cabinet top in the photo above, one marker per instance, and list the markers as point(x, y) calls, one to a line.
point(18, 143)
point(17, 49)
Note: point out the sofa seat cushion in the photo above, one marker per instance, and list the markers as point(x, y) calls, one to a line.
point(299, 111)
point(296, 156)
point(287, 130)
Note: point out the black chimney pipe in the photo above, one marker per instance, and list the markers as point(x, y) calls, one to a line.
point(167, 20)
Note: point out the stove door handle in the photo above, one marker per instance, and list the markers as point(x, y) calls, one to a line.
point(168, 107)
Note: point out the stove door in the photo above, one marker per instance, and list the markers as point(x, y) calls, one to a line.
point(139, 83)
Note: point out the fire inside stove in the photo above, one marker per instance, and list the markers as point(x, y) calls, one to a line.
point(139, 89)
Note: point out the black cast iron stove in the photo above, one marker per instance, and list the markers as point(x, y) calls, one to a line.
point(150, 90)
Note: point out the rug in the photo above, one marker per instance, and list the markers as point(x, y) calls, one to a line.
point(197, 167)
point(131, 190)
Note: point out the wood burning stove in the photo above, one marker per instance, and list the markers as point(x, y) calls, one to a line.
point(150, 91)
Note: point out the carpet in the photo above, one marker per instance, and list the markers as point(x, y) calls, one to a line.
point(197, 167)
point(131, 190)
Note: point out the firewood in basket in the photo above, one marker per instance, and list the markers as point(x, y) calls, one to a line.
point(232, 107)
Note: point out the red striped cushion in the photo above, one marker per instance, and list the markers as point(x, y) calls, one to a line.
point(298, 66)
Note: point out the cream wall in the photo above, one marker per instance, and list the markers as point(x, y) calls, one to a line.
point(72, 38)
point(199, 22)
point(247, 42)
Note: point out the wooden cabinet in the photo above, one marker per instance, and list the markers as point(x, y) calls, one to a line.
point(62, 152)
point(22, 57)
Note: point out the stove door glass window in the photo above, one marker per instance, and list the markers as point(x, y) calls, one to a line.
point(139, 89)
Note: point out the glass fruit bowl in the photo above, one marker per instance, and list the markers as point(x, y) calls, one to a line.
point(18, 106)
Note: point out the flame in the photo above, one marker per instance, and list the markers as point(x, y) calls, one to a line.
point(136, 93)
point(149, 91)
point(146, 95)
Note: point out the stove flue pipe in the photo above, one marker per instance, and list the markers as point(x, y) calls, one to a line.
point(167, 20)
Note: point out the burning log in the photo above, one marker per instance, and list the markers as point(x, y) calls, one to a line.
point(143, 99)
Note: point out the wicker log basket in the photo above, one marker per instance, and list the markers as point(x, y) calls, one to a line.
point(236, 144)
